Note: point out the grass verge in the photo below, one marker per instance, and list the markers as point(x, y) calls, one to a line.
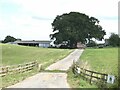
point(77, 82)
point(15, 78)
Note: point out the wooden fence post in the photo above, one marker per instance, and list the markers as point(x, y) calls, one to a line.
point(19, 68)
point(91, 78)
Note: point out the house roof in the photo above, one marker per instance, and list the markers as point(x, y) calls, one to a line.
point(34, 41)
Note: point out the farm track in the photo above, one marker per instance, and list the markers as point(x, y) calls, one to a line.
point(51, 79)
point(66, 63)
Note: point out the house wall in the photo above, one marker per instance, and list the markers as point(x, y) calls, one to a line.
point(34, 43)
point(44, 45)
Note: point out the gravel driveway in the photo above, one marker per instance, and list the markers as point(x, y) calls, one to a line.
point(51, 79)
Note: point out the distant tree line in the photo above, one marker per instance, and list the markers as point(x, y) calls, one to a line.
point(9, 39)
point(114, 40)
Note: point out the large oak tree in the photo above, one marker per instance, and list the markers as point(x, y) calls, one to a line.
point(76, 27)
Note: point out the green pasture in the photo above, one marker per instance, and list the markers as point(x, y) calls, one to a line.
point(103, 60)
point(15, 54)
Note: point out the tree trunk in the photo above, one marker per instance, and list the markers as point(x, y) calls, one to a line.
point(73, 44)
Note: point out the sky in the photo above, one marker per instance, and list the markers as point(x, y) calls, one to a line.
point(31, 19)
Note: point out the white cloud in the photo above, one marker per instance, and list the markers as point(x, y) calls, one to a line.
point(109, 27)
point(54, 7)
point(33, 18)
point(21, 20)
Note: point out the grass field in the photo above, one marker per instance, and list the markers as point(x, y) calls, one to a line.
point(104, 60)
point(15, 54)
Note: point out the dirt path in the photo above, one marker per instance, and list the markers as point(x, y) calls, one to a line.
point(49, 79)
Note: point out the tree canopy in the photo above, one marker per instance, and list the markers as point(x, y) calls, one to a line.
point(9, 39)
point(76, 27)
point(114, 40)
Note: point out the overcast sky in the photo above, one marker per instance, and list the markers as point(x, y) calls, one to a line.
point(31, 19)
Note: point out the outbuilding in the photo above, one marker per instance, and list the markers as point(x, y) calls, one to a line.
point(40, 43)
